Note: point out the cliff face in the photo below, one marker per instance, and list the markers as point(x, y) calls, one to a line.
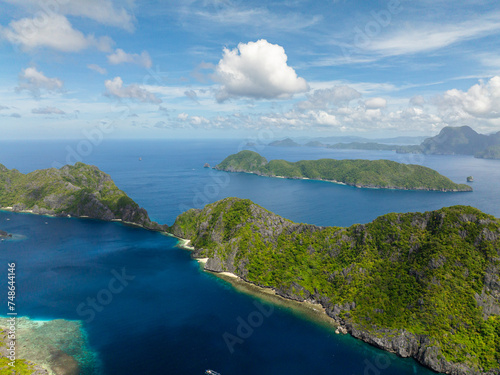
point(422, 285)
point(80, 190)
point(459, 141)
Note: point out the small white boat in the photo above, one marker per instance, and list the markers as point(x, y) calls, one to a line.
point(211, 372)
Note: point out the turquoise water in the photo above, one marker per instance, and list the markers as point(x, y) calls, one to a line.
point(161, 314)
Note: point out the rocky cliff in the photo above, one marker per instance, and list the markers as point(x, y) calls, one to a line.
point(80, 190)
point(422, 285)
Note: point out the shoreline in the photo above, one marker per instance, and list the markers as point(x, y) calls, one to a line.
point(353, 185)
point(67, 216)
point(304, 309)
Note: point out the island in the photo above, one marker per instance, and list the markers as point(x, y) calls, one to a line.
point(80, 190)
point(287, 142)
point(422, 285)
point(384, 174)
point(461, 140)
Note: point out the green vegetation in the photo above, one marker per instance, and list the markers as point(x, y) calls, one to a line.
point(79, 190)
point(492, 152)
point(434, 275)
point(22, 367)
point(360, 173)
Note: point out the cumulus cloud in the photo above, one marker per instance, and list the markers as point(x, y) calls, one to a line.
point(35, 81)
point(102, 11)
point(323, 98)
point(324, 118)
point(121, 57)
point(97, 68)
point(116, 89)
point(56, 32)
point(47, 111)
point(482, 100)
point(196, 121)
point(376, 103)
point(257, 70)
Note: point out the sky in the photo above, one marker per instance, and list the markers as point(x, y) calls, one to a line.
point(229, 68)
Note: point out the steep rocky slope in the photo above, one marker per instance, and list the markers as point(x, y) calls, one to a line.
point(80, 190)
point(422, 285)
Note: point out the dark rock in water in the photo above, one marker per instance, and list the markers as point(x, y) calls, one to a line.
point(206, 165)
point(4, 234)
point(470, 179)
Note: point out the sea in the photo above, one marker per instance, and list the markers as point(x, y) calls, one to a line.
point(148, 308)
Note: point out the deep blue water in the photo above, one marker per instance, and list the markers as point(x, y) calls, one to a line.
point(172, 317)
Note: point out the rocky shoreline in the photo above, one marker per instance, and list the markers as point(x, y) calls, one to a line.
point(400, 342)
point(202, 228)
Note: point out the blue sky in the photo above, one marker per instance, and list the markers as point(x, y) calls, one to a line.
point(224, 68)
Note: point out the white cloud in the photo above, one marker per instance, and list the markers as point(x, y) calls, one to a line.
point(102, 11)
point(116, 89)
point(2, 107)
point(47, 111)
point(257, 70)
point(481, 100)
point(55, 32)
point(324, 118)
point(34, 81)
point(120, 57)
point(196, 121)
point(376, 103)
point(97, 68)
point(417, 101)
point(429, 37)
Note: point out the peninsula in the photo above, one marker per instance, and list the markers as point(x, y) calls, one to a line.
point(81, 191)
point(384, 174)
point(421, 285)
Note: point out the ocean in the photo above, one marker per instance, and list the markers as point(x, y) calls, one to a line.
point(160, 313)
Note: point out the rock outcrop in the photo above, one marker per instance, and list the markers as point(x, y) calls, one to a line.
point(421, 285)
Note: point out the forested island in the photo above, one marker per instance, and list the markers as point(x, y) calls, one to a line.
point(81, 190)
point(384, 174)
point(422, 285)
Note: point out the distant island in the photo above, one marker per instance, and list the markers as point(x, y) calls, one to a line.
point(450, 141)
point(383, 174)
point(287, 142)
point(421, 285)
point(459, 141)
point(81, 191)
